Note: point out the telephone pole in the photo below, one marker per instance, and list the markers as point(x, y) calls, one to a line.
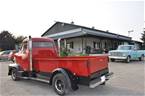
point(130, 32)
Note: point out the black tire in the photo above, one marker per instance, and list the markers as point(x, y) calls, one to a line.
point(141, 58)
point(112, 60)
point(104, 83)
point(60, 84)
point(127, 59)
point(14, 74)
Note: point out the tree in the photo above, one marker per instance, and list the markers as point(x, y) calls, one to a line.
point(19, 39)
point(7, 40)
point(143, 39)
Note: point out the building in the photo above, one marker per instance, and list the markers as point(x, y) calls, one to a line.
point(78, 38)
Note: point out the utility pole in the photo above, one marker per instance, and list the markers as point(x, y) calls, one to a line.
point(130, 32)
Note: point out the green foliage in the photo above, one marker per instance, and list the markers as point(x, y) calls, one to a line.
point(19, 39)
point(7, 40)
point(63, 53)
point(76, 54)
point(143, 39)
point(81, 54)
point(5, 35)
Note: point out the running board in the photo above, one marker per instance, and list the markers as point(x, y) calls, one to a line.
point(36, 79)
point(42, 80)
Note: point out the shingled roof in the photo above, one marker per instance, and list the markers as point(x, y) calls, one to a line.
point(87, 30)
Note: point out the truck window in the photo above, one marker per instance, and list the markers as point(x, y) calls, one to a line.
point(42, 44)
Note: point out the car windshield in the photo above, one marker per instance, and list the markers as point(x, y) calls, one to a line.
point(124, 48)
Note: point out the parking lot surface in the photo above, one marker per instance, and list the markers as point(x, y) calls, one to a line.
point(128, 80)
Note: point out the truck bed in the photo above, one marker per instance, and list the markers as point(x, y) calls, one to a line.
point(79, 65)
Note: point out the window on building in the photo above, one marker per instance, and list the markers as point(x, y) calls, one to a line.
point(105, 45)
point(94, 44)
point(98, 44)
point(71, 45)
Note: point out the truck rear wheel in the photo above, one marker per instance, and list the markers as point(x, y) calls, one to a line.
point(14, 74)
point(60, 84)
point(103, 83)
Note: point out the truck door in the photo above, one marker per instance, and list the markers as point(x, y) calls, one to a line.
point(134, 52)
point(22, 57)
point(41, 52)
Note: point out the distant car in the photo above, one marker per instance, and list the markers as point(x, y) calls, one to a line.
point(127, 53)
point(11, 55)
point(4, 55)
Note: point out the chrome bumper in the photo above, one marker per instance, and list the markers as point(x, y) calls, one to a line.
point(101, 80)
point(117, 57)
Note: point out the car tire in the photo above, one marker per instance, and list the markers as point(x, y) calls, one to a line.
point(128, 59)
point(14, 74)
point(60, 84)
point(112, 60)
point(141, 58)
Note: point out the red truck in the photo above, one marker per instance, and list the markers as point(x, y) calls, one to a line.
point(38, 59)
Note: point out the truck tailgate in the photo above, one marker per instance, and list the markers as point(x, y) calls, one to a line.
point(97, 63)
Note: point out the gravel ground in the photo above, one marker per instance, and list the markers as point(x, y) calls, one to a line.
point(128, 80)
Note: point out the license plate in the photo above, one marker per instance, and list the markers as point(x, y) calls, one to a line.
point(103, 78)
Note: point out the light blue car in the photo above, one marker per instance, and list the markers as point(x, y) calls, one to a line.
point(126, 53)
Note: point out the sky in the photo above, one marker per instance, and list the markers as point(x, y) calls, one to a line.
point(34, 17)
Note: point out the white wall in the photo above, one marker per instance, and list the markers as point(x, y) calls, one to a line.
point(125, 43)
point(89, 41)
point(78, 43)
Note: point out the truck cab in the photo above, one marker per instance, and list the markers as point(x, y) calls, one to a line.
point(126, 53)
point(40, 48)
point(38, 59)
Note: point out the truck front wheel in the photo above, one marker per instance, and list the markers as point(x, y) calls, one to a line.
point(14, 74)
point(60, 84)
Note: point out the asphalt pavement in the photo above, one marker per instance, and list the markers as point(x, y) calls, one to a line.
point(128, 80)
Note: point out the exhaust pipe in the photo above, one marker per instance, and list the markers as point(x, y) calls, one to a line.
point(58, 42)
point(30, 51)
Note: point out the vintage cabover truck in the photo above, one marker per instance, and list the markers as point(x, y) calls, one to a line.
point(38, 59)
point(127, 53)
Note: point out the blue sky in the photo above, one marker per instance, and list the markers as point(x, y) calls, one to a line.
point(34, 17)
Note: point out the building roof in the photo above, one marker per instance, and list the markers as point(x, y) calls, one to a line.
point(82, 30)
